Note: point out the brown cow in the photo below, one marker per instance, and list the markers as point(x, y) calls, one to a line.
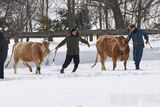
point(29, 52)
point(114, 47)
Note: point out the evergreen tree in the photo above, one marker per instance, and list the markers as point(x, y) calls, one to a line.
point(45, 23)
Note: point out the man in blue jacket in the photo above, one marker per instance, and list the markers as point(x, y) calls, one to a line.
point(138, 43)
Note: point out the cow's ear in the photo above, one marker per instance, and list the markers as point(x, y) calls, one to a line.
point(44, 42)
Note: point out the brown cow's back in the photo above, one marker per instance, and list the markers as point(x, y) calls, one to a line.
point(27, 51)
point(106, 44)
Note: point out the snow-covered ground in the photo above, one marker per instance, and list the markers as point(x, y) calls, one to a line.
point(88, 87)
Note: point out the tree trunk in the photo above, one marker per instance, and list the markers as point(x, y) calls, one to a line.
point(100, 14)
point(115, 7)
point(106, 15)
point(125, 9)
point(86, 26)
point(139, 14)
point(69, 16)
point(73, 13)
point(42, 11)
point(118, 17)
point(47, 6)
point(28, 20)
point(42, 8)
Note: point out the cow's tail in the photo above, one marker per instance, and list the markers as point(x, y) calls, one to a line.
point(95, 60)
point(10, 56)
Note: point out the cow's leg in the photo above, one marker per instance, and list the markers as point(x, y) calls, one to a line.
point(38, 68)
point(102, 63)
point(125, 63)
point(27, 65)
point(114, 63)
point(103, 58)
point(16, 60)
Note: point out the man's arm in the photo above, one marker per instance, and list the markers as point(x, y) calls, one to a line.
point(128, 38)
point(83, 40)
point(144, 34)
point(62, 43)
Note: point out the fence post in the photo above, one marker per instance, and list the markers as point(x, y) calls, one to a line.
point(91, 38)
point(15, 37)
point(97, 36)
point(27, 39)
point(50, 37)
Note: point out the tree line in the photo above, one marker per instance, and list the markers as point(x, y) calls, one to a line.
point(61, 15)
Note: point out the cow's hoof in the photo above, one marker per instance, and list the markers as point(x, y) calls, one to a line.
point(38, 73)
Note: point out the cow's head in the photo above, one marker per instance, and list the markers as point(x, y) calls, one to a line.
point(121, 42)
point(45, 47)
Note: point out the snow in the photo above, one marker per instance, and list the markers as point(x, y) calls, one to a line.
point(88, 87)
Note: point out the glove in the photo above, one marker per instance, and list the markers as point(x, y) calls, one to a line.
point(127, 39)
point(89, 45)
point(57, 48)
point(147, 41)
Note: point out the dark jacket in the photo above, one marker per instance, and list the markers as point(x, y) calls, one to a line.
point(72, 44)
point(3, 48)
point(137, 37)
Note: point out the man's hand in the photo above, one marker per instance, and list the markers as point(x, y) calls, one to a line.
point(89, 45)
point(127, 39)
point(56, 48)
point(147, 41)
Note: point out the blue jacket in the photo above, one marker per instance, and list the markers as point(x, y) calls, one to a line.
point(137, 37)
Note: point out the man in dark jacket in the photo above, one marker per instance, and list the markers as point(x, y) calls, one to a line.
point(3, 54)
point(138, 43)
point(72, 49)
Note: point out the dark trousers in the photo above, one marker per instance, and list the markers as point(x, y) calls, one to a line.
point(69, 59)
point(137, 55)
point(1, 70)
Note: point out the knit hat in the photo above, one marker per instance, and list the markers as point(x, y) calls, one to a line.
point(132, 26)
point(74, 29)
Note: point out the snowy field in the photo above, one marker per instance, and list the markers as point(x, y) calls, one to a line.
point(88, 87)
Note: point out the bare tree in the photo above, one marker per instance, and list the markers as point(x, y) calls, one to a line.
point(73, 14)
point(139, 17)
point(47, 7)
point(69, 14)
point(100, 14)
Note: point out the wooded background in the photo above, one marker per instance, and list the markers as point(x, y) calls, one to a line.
point(17, 16)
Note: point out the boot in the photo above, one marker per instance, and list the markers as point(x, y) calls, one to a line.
point(74, 70)
point(62, 71)
point(137, 68)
